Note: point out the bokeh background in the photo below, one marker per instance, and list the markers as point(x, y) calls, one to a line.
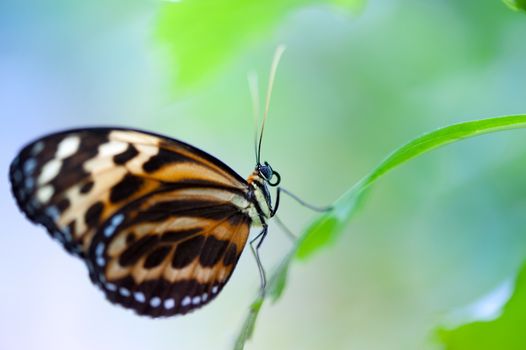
point(439, 241)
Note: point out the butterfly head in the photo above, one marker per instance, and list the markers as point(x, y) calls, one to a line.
point(267, 173)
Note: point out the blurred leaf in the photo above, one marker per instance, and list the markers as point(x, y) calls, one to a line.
point(330, 225)
point(505, 332)
point(516, 5)
point(200, 35)
point(248, 325)
point(326, 228)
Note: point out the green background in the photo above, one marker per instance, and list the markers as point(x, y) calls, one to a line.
point(439, 242)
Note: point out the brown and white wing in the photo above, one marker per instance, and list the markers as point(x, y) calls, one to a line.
point(170, 252)
point(73, 181)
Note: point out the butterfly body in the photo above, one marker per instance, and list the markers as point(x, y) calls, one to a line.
point(160, 224)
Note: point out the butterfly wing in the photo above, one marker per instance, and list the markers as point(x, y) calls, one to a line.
point(80, 183)
point(73, 181)
point(170, 252)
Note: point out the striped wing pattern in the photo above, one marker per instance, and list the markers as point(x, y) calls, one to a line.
point(159, 223)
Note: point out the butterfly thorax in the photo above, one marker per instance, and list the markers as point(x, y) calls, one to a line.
point(260, 208)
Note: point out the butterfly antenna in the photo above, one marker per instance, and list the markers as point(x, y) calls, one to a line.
point(254, 94)
point(277, 56)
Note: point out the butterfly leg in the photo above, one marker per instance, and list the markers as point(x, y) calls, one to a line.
point(255, 250)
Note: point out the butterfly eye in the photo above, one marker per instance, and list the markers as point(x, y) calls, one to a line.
point(266, 171)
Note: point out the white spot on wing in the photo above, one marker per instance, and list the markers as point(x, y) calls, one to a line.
point(49, 171)
point(204, 297)
point(196, 300)
point(215, 289)
point(99, 249)
point(124, 292)
point(45, 193)
point(68, 147)
point(155, 302)
point(133, 137)
point(139, 297)
point(116, 221)
point(112, 148)
point(186, 301)
point(169, 303)
point(111, 287)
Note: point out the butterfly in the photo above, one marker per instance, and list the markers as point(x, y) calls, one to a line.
point(159, 223)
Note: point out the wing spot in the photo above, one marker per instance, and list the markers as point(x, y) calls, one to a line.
point(101, 261)
point(135, 251)
point(230, 255)
point(116, 221)
point(187, 251)
point(122, 158)
point(111, 148)
point(196, 300)
point(30, 166)
point(45, 193)
point(111, 287)
point(124, 292)
point(215, 289)
point(99, 249)
point(86, 187)
point(128, 186)
point(204, 297)
point(155, 302)
point(213, 251)
point(37, 148)
point(29, 184)
point(169, 304)
point(175, 236)
point(156, 257)
point(186, 301)
point(63, 204)
point(139, 297)
point(68, 146)
point(162, 158)
point(50, 171)
point(93, 214)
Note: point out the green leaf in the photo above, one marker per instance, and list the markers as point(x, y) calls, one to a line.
point(505, 332)
point(249, 324)
point(322, 234)
point(516, 5)
point(200, 35)
point(329, 226)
